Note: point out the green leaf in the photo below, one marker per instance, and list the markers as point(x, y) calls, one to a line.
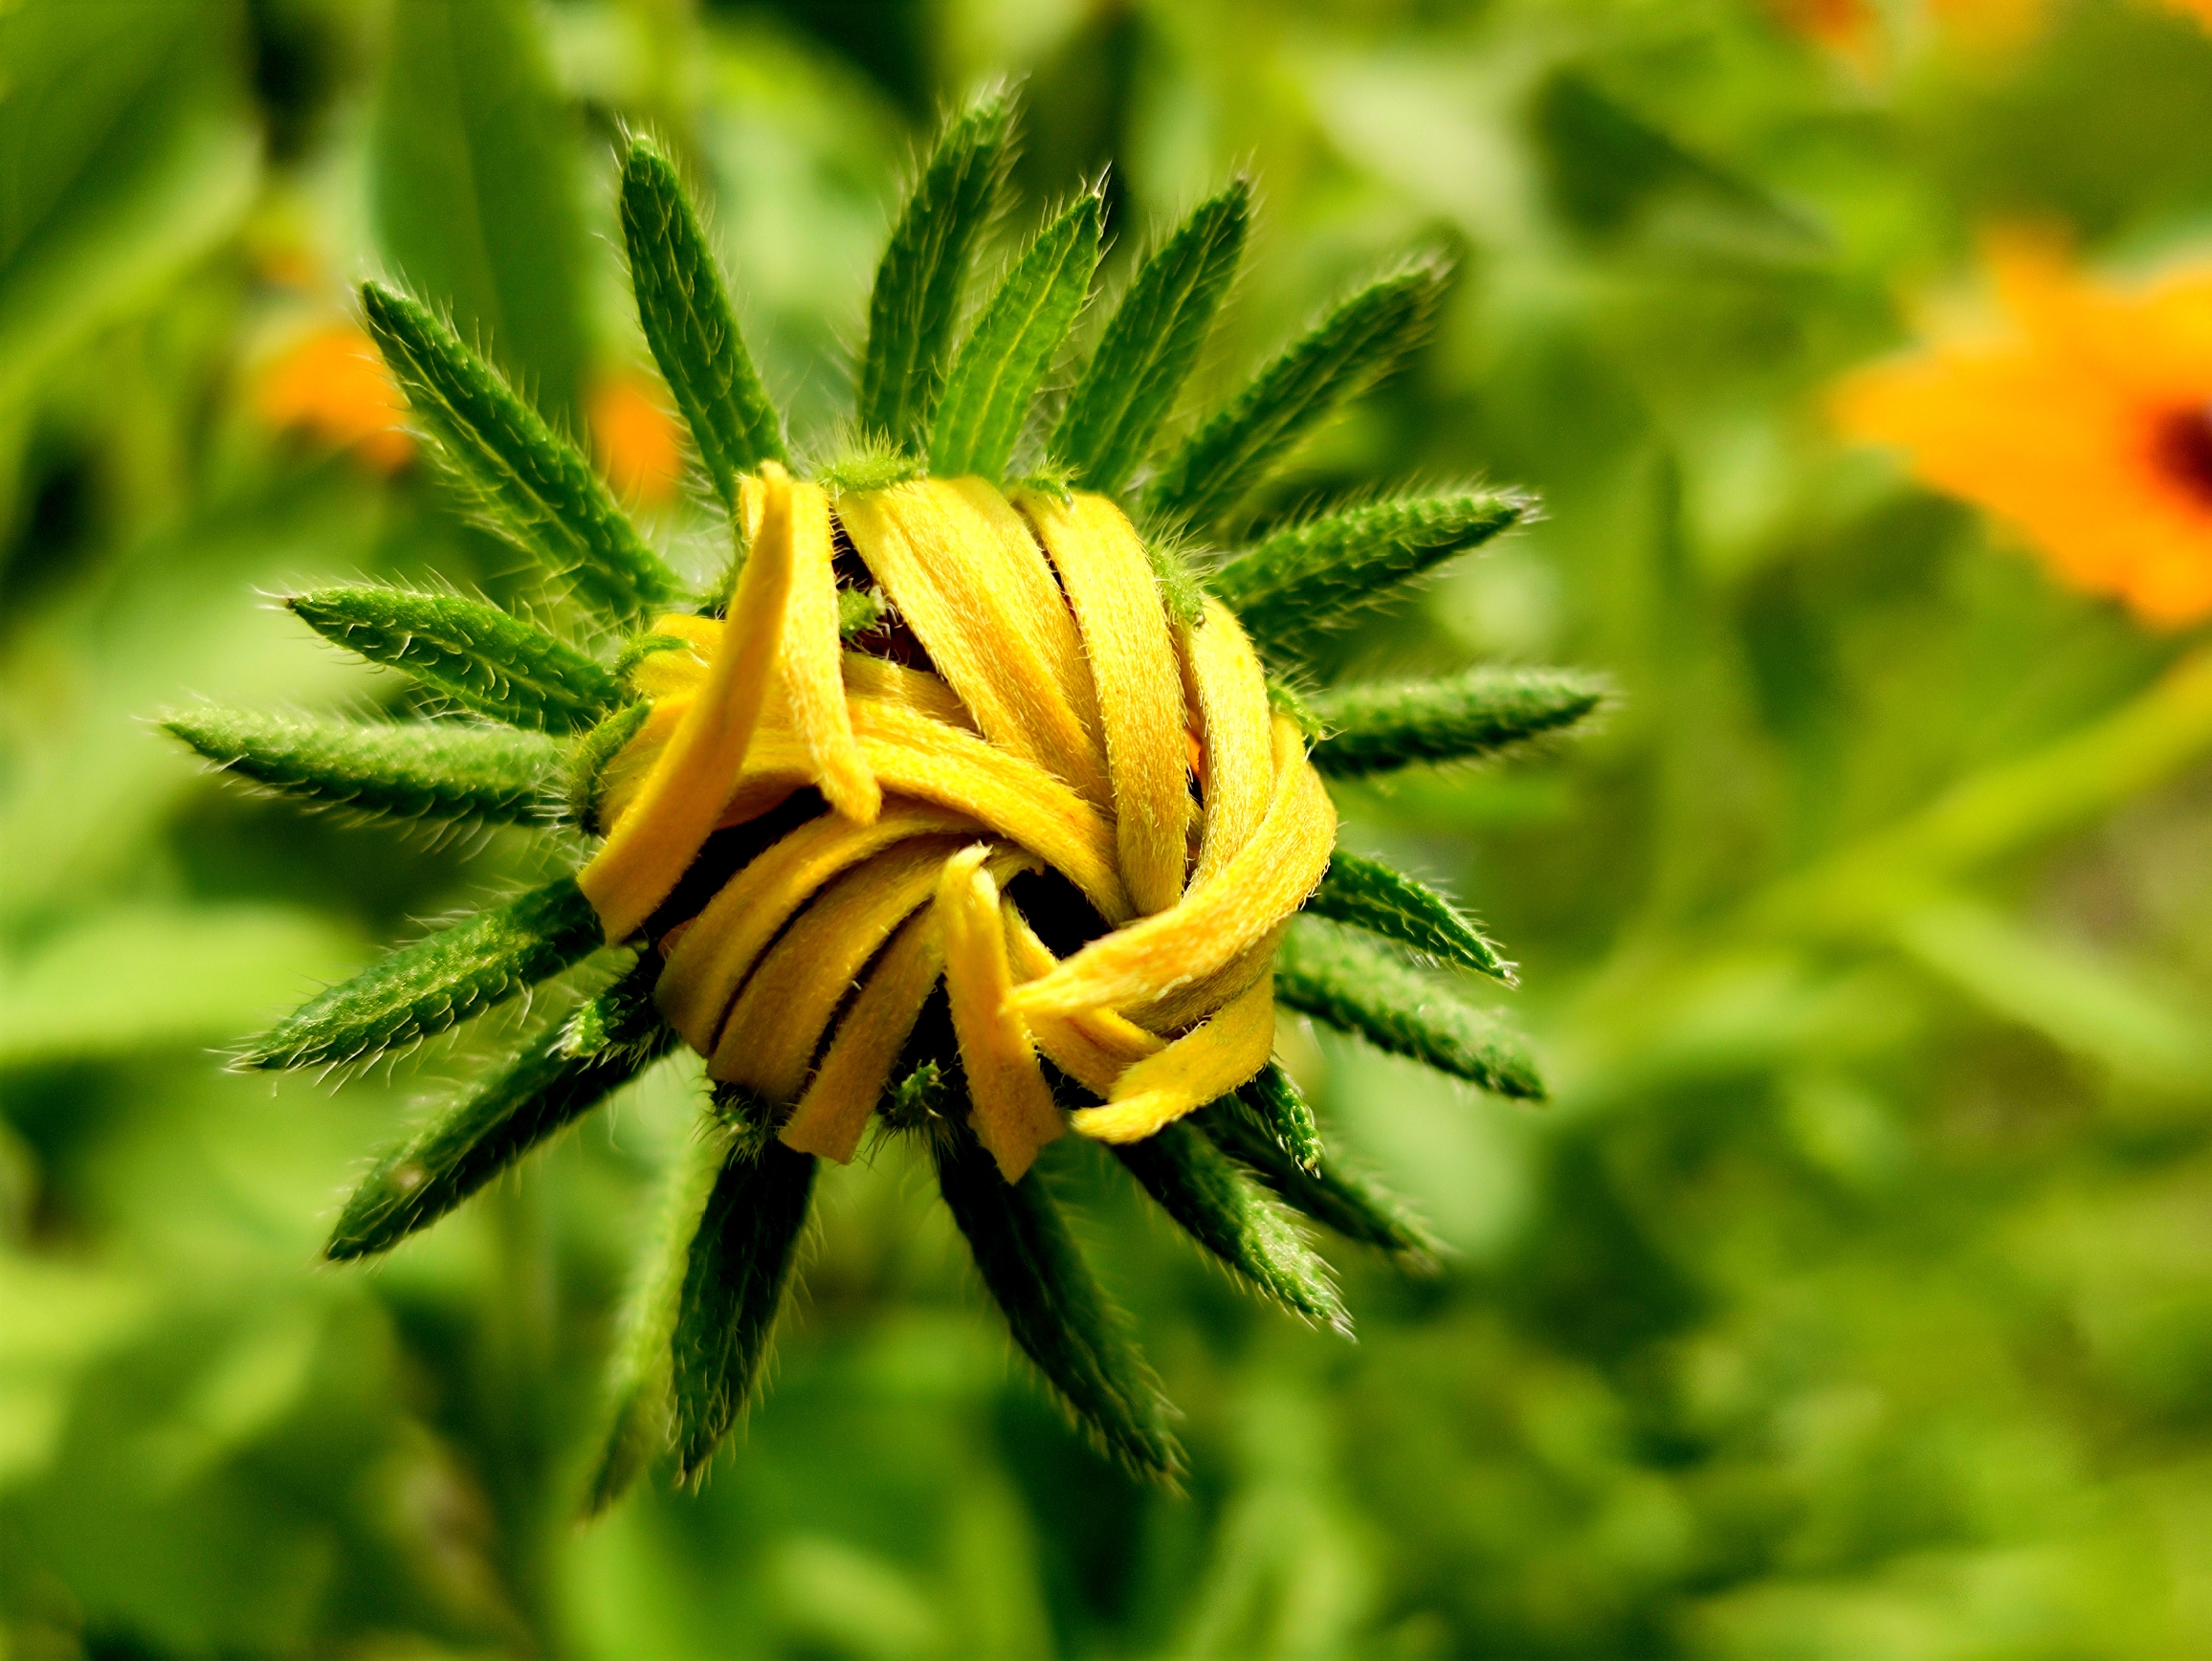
point(690, 325)
point(534, 488)
point(1337, 978)
point(1320, 575)
point(438, 982)
point(406, 771)
point(1341, 357)
point(916, 305)
point(1149, 348)
point(474, 191)
point(475, 653)
point(1369, 895)
point(1059, 1314)
point(1220, 1205)
point(1335, 1196)
point(737, 1268)
point(997, 373)
point(1375, 729)
point(1272, 1099)
point(562, 1074)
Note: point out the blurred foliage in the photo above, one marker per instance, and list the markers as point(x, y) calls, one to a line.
point(1849, 1301)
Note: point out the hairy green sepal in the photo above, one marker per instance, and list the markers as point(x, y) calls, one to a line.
point(1320, 575)
point(1148, 350)
point(438, 982)
point(475, 653)
point(1375, 729)
point(533, 487)
point(998, 372)
point(1370, 895)
point(915, 308)
point(570, 1068)
point(1341, 356)
point(404, 770)
point(1336, 977)
point(1331, 1193)
point(690, 325)
point(1219, 1204)
point(1059, 1315)
point(1273, 1101)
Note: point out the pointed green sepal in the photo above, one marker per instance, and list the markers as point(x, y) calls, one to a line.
point(1150, 346)
point(996, 376)
point(438, 982)
point(736, 1272)
point(397, 770)
point(690, 325)
point(589, 756)
point(1370, 895)
point(1320, 575)
point(1336, 977)
point(1272, 1099)
point(1375, 729)
point(530, 485)
point(1219, 1204)
point(570, 1068)
point(1331, 1193)
point(475, 653)
point(1060, 1316)
point(915, 308)
point(1341, 357)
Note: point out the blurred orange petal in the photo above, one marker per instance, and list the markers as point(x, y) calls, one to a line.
point(640, 449)
point(333, 386)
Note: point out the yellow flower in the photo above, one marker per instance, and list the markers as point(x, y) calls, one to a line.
point(2086, 425)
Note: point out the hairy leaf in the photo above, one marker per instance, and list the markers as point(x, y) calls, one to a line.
point(1151, 345)
point(438, 982)
point(1370, 895)
point(996, 375)
point(689, 323)
point(1337, 978)
point(570, 1068)
point(915, 308)
point(533, 487)
point(1374, 729)
point(407, 770)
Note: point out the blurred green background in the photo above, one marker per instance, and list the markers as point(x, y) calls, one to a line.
point(1849, 1300)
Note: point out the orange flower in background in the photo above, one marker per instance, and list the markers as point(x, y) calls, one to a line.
point(333, 386)
point(640, 451)
point(2087, 425)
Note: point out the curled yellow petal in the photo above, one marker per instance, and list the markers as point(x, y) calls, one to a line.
point(1092, 1046)
point(1231, 694)
point(1014, 1113)
point(830, 1116)
point(777, 1023)
point(1221, 918)
point(710, 963)
point(663, 827)
point(965, 572)
point(1110, 584)
point(1204, 1064)
point(812, 667)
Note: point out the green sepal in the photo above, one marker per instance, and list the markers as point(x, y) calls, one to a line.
point(689, 323)
point(1341, 356)
point(1376, 728)
point(1368, 894)
point(531, 486)
point(399, 769)
point(438, 982)
point(562, 1074)
point(475, 653)
point(736, 1270)
point(1331, 1193)
point(1272, 1099)
point(995, 378)
point(858, 611)
point(1219, 1204)
point(1059, 1315)
point(915, 308)
point(1319, 575)
point(590, 756)
point(1149, 348)
point(1336, 977)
